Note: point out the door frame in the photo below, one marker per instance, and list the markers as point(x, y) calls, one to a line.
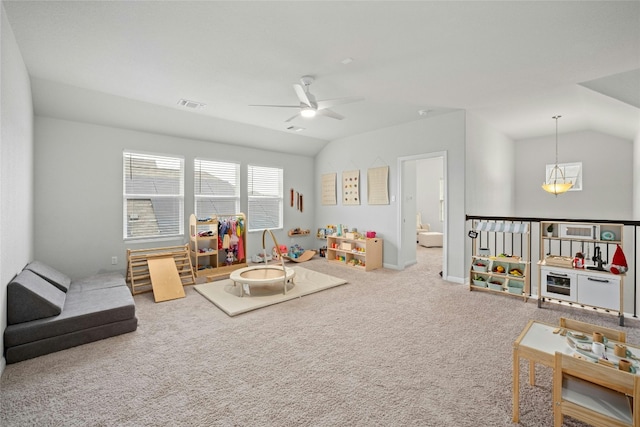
point(402, 262)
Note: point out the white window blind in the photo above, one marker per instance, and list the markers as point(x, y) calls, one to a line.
point(153, 195)
point(265, 194)
point(216, 187)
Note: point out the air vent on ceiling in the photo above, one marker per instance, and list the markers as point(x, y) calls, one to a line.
point(191, 104)
point(295, 128)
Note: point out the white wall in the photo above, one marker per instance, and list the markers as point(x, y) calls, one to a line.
point(428, 175)
point(373, 149)
point(490, 170)
point(607, 178)
point(407, 253)
point(16, 167)
point(78, 191)
point(634, 259)
point(490, 167)
point(636, 177)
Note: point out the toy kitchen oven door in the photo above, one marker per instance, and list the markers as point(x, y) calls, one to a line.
point(557, 283)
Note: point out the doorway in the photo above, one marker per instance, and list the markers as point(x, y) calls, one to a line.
point(427, 198)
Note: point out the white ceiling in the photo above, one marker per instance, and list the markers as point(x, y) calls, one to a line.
point(514, 64)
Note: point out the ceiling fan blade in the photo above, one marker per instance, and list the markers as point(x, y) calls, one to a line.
point(328, 103)
point(292, 117)
point(329, 113)
point(279, 106)
point(302, 95)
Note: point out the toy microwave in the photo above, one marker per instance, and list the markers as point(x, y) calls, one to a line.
point(579, 231)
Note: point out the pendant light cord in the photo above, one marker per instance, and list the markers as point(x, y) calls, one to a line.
point(556, 118)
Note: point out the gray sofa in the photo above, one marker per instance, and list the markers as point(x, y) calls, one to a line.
point(47, 312)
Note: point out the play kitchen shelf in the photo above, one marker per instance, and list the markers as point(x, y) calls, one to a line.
point(501, 273)
point(592, 244)
point(364, 254)
point(498, 274)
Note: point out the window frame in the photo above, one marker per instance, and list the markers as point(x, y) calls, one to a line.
point(179, 197)
point(198, 196)
point(250, 196)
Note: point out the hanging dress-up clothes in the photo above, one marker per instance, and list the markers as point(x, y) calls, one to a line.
point(239, 229)
point(226, 240)
point(233, 239)
point(222, 231)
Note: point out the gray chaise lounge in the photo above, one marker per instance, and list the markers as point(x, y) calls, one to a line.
point(46, 312)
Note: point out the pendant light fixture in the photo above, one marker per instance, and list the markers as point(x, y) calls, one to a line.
point(556, 183)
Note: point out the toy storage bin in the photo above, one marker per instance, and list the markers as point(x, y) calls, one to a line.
point(517, 266)
point(347, 246)
point(496, 264)
point(496, 283)
point(486, 252)
point(515, 287)
point(483, 268)
point(480, 281)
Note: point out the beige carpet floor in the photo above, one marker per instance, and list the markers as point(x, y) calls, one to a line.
point(227, 296)
point(390, 348)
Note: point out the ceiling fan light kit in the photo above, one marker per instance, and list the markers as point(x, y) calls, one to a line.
point(309, 107)
point(308, 112)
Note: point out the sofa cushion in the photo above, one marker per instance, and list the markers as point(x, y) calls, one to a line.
point(32, 349)
point(50, 274)
point(82, 310)
point(30, 297)
point(430, 239)
point(98, 281)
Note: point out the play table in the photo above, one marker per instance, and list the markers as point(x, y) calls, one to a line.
point(538, 343)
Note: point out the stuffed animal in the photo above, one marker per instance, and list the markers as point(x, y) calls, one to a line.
point(619, 262)
point(283, 251)
point(229, 259)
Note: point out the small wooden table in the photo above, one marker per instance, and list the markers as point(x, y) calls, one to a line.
point(538, 343)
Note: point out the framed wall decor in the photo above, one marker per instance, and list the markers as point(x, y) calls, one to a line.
point(351, 187)
point(378, 186)
point(328, 189)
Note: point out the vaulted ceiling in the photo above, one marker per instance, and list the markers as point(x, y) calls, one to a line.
point(514, 64)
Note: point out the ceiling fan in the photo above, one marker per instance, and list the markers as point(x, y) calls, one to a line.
point(309, 107)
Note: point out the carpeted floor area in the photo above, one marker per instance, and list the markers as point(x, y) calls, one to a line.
point(391, 348)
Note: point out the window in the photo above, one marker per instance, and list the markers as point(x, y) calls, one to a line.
point(264, 186)
point(217, 188)
point(153, 195)
point(572, 172)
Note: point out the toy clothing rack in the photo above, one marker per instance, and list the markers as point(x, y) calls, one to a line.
point(222, 251)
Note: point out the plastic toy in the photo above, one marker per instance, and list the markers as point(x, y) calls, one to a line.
point(229, 259)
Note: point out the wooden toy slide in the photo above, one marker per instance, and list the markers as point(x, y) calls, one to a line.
point(165, 279)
